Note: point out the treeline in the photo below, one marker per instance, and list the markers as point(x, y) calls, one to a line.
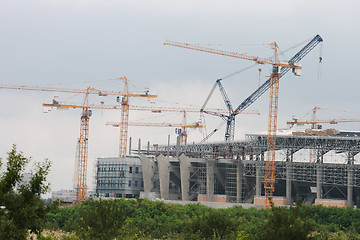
point(144, 219)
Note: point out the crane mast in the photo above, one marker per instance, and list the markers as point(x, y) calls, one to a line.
point(269, 178)
point(124, 120)
point(81, 188)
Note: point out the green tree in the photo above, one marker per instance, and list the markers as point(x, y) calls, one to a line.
point(287, 223)
point(22, 209)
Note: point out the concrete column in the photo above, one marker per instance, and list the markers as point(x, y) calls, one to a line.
point(177, 146)
point(210, 178)
point(130, 140)
point(168, 147)
point(148, 170)
point(288, 183)
point(350, 185)
point(258, 179)
point(318, 181)
point(184, 176)
point(239, 177)
point(139, 146)
point(164, 176)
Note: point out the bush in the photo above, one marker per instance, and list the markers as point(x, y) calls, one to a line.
point(100, 219)
point(287, 223)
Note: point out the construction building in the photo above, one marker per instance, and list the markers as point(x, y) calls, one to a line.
point(119, 177)
point(234, 171)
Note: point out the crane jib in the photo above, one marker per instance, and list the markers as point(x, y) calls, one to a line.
point(265, 86)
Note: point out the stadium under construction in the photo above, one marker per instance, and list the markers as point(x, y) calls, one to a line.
point(319, 169)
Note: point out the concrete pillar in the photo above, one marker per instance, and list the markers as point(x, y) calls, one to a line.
point(318, 181)
point(177, 146)
point(139, 146)
point(184, 176)
point(168, 147)
point(288, 183)
point(130, 140)
point(220, 176)
point(258, 179)
point(239, 177)
point(350, 185)
point(164, 176)
point(210, 178)
point(357, 201)
point(156, 148)
point(148, 170)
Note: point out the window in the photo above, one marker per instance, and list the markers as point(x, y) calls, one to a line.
point(129, 183)
point(130, 169)
point(136, 169)
point(136, 183)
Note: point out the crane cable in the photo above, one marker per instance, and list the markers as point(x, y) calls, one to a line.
point(239, 71)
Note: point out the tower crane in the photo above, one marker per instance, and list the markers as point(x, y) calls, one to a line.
point(277, 69)
point(125, 115)
point(315, 125)
point(183, 126)
point(315, 122)
point(230, 119)
point(153, 109)
point(80, 186)
point(183, 134)
point(82, 154)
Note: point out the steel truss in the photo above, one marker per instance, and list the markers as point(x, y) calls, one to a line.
point(288, 150)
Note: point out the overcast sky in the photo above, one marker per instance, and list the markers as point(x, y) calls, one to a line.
point(81, 43)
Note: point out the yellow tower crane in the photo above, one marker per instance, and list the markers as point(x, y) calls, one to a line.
point(80, 179)
point(183, 126)
point(125, 114)
point(80, 171)
point(315, 124)
point(183, 134)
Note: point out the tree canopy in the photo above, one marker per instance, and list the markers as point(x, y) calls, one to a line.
point(22, 209)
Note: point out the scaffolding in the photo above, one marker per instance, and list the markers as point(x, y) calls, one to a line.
point(118, 177)
point(239, 166)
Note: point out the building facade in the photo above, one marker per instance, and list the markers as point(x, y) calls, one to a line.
point(118, 177)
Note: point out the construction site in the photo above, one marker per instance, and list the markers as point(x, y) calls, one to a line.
point(278, 167)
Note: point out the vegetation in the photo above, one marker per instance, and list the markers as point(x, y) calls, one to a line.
point(144, 219)
point(22, 210)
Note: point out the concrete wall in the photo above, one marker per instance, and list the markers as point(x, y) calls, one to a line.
point(215, 198)
point(331, 203)
point(278, 201)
